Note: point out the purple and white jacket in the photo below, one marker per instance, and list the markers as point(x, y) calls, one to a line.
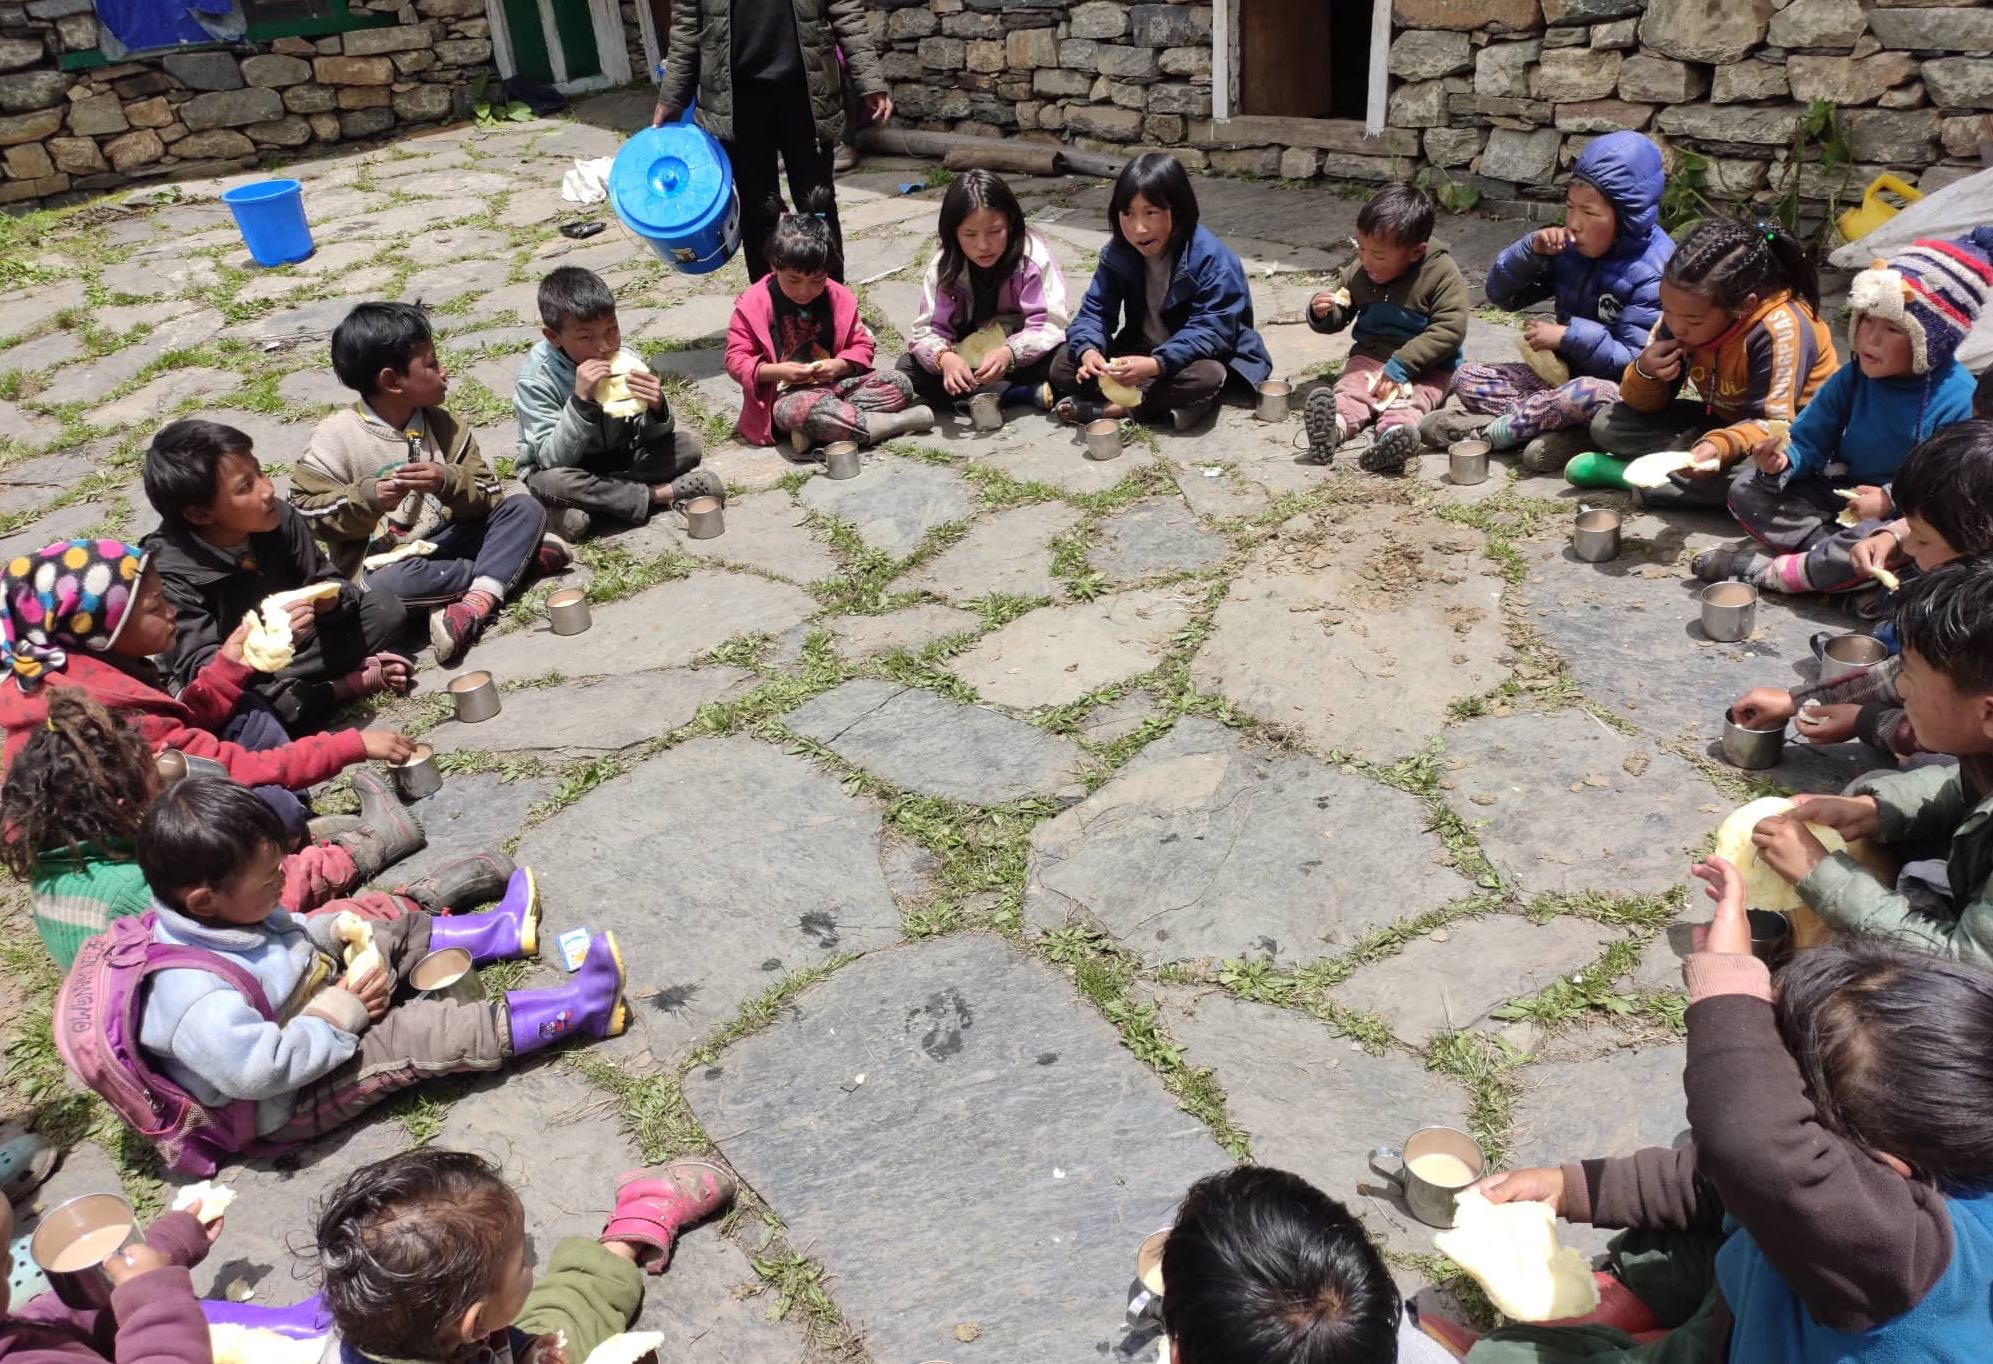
point(1031, 305)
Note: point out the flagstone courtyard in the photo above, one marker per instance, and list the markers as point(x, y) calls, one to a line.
point(1000, 840)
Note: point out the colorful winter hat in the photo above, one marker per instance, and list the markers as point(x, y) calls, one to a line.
point(73, 594)
point(1933, 290)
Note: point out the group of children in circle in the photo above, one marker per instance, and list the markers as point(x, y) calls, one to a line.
point(267, 993)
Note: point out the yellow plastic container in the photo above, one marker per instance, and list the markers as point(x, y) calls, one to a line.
point(1875, 210)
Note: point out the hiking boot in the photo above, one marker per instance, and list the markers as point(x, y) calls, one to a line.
point(552, 557)
point(1189, 418)
point(844, 160)
point(457, 626)
point(590, 1001)
point(1325, 432)
point(1551, 451)
point(1726, 562)
point(697, 483)
point(509, 929)
point(570, 525)
point(653, 1206)
point(1443, 426)
point(1392, 450)
point(464, 883)
point(387, 832)
point(883, 426)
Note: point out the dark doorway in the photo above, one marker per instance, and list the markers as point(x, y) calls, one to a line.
point(1285, 56)
point(1349, 57)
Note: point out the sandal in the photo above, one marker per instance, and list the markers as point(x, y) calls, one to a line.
point(653, 1206)
point(26, 1159)
point(1078, 411)
point(371, 677)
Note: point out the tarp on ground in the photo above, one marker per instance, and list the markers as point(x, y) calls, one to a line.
point(1951, 212)
point(150, 25)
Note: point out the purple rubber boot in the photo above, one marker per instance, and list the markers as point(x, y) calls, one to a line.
point(509, 929)
point(592, 1002)
point(305, 1320)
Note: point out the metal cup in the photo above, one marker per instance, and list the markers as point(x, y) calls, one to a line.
point(476, 697)
point(840, 460)
point(1145, 1295)
point(1595, 535)
point(1845, 654)
point(986, 411)
point(419, 776)
point(1467, 462)
point(72, 1242)
point(1275, 400)
point(1752, 749)
point(705, 518)
point(1771, 936)
point(567, 611)
point(1430, 1202)
point(1729, 611)
point(173, 765)
point(447, 974)
point(1103, 439)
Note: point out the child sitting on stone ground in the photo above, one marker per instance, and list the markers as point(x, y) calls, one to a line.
point(324, 1042)
point(424, 1259)
point(803, 356)
point(225, 542)
point(78, 789)
point(589, 466)
point(1903, 383)
point(395, 472)
point(1168, 316)
point(1603, 270)
point(1408, 302)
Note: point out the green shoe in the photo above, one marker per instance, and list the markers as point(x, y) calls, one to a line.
point(1594, 470)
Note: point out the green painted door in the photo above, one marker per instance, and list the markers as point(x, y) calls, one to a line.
point(577, 38)
point(534, 40)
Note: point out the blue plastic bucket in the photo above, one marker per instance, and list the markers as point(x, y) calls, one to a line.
point(270, 214)
point(674, 188)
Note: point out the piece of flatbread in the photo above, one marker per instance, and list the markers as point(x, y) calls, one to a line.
point(207, 1200)
point(413, 549)
point(1651, 471)
point(627, 1348)
point(1115, 391)
point(362, 957)
point(1512, 1251)
point(1780, 431)
point(1887, 579)
point(980, 344)
point(268, 647)
point(1340, 298)
point(613, 393)
point(1763, 887)
point(1548, 364)
point(233, 1344)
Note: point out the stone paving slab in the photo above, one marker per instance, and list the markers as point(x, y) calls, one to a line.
point(473, 812)
point(1009, 554)
point(1364, 650)
point(912, 629)
point(1155, 538)
point(314, 386)
point(1454, 977)
point(765, 532)
point(60, 524)
point(1012, 1152)
point(1117, 719)
point(583, 719)
point(661, 627)
point(1034, 449)
point(926, 743)
point(1316, 1103)
point(895, 502)
point(720, 865)
point(1217, 495)
point(159, 396)
point(1562, 804)
point(1206, 846)
point(1057, 654)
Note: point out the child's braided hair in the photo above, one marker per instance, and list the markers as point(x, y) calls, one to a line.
point(1729, 261)
point(802, 241)
point(83, 777)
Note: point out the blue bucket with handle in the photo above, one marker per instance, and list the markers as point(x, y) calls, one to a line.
point(270, 214)
point(674, 188)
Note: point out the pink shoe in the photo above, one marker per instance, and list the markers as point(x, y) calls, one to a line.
point(653, 1206)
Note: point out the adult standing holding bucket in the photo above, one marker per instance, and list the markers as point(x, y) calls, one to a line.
point(768, 82)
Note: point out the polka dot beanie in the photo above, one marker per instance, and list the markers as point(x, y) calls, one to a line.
point(73, 594)
point(1932, 290)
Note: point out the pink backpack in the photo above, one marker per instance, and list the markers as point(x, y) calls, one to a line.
point(96, 1031)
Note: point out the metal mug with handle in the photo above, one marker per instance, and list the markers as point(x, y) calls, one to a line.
point(1145, 1301)
point(984, 410)
point(1429, 1201)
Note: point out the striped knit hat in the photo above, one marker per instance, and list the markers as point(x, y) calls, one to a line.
point(73, 594)
point(1932, 290)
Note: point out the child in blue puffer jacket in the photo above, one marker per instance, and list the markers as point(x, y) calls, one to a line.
point(1603, 268)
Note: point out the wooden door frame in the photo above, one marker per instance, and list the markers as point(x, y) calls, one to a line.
point(605, 16)
point(1225, 63)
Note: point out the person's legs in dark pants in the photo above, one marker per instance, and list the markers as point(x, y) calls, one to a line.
point(1196, 384)
point(808, 163)
point(927, 385)
point(620, 495)
point(255, 726)
point(1623, 431)
point(752, 153)
point(341, 643)
point(491, 555)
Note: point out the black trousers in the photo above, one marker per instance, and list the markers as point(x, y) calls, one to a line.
point(770, 121)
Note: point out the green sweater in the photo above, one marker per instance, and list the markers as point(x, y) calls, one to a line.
point(75, 900)
point(1920, 806)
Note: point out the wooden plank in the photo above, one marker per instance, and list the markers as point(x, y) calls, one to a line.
point(1284, 58)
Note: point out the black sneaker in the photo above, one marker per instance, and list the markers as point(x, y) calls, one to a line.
point(1392, 450)
point(1319, 418)
point(1444, 426)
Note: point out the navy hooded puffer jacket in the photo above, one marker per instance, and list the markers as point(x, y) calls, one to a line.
point(1609, 305)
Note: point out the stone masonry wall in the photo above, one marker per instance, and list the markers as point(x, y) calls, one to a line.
point(65, 134)
point(1498, 93)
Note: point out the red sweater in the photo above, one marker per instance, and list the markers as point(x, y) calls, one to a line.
point(186, 722)
point(153, 1319)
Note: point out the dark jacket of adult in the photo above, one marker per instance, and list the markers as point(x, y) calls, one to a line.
point(701, 61)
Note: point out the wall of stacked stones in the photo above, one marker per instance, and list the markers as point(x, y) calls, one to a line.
point(67, 134)
point(1498, 93)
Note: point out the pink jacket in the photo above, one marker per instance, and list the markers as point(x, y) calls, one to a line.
point(153, 1319)
point(1034, 293)
point(751, 344)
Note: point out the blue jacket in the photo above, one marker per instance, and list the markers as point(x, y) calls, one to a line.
point(1609, 305)
point(1870, 424)
point(1208, 310)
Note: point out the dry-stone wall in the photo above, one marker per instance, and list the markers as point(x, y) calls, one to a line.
point(68, 133)
point(1500, 93)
